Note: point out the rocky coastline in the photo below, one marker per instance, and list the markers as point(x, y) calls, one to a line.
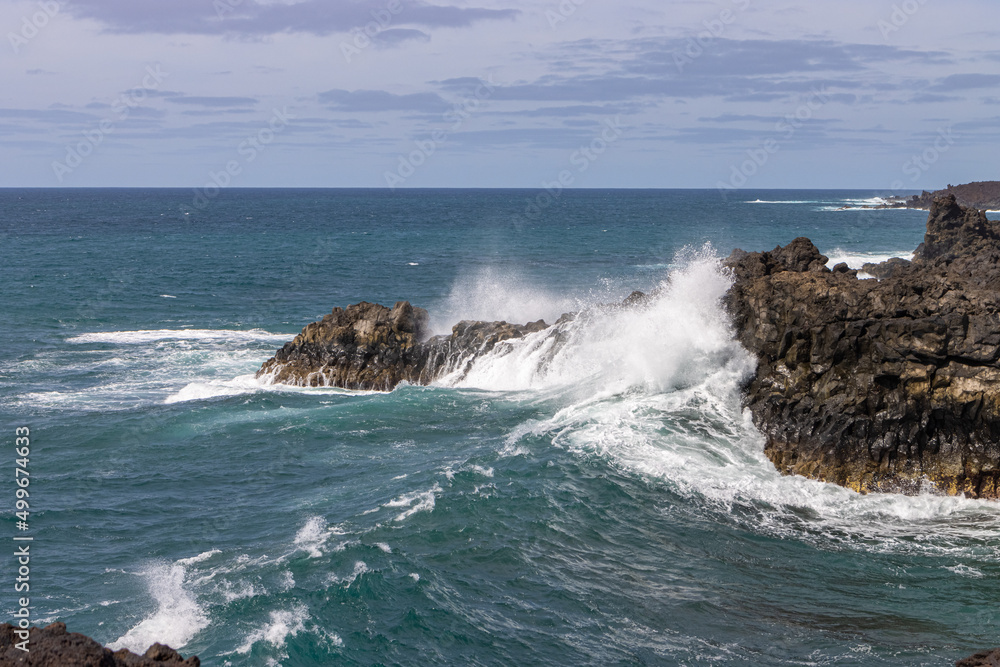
point(984, 195)
point(54, 646)
point(890, 384)
point(879, 385)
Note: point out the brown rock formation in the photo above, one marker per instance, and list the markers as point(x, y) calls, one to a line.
point(879, 385)
point(371, 347)
point(53, 646)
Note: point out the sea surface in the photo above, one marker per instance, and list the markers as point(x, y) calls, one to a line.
point(603, 503)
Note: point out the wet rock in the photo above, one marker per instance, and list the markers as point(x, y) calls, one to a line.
point(53, 646)
point(370, 347)
point(888, 385)
point(981, 659)
point(885, 269)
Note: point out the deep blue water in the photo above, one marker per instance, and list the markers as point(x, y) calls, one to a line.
point(608, 506)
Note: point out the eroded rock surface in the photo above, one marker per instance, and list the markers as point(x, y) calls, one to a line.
point(371, 347)
point(879, 385)
point(981, 659)
point(53, 646)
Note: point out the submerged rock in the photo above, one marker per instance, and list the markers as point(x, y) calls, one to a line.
point(53, 646)
point(879, 385)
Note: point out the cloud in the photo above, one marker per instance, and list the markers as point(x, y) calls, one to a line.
point(215, 102)
point(58, 116)
point(380, 100)
point(957, 82)
point(257, 18)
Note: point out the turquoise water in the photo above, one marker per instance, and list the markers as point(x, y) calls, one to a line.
point(606, 504)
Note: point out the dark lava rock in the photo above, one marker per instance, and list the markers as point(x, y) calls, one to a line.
point(370, 347)
point(979, 195)
point(885, 269)
point(879, 385)
point(53, 646)
point(981, 659)
point(365, 346)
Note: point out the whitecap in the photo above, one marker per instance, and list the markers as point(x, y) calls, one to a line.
point(312, 537)
point(151, 336)
point(280, 626)
point(418, 501)
point(178, 617)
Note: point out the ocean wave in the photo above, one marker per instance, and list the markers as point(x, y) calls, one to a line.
point(666, 343)
point(795, 201)
point(280, 626)
point(656, 390)
point(178, 617)
point(856, 260)
point(150, 336)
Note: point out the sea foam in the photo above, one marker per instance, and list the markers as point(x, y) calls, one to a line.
point(178, 616)
point(656, 389)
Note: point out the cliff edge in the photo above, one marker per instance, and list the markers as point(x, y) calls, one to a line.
point(879, 385)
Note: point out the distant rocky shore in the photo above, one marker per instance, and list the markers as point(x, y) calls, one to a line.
point(53, 646)
point(984, 195)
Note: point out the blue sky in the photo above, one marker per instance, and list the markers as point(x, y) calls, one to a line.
point(882, 94)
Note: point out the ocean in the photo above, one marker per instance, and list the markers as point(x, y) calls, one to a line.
point(606, 503)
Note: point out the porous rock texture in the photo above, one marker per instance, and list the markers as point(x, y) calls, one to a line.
point(53, 646)
point(981, 659)
point(879, 385)
point(371, 347)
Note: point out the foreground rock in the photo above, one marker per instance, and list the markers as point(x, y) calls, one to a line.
point(368, 346)
point(981, 659)
point(879, 385)
point(53, 646)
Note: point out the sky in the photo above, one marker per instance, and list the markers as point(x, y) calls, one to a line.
point(891, 95)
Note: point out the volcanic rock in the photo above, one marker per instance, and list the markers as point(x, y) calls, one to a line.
point(879, 385)
point(53, 646)
point(371, 347)
point(981, 659)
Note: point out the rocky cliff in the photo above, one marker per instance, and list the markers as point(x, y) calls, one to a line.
point(879, 385)
point(53, 646)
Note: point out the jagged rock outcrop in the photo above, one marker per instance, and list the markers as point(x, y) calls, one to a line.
point(371, 347)
point(53, 646)
point(879, 385)
point(979, 195)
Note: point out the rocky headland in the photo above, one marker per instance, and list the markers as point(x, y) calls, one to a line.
point(53, 646)
point(891, 384)
point(879, 385)
point(984, 195)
